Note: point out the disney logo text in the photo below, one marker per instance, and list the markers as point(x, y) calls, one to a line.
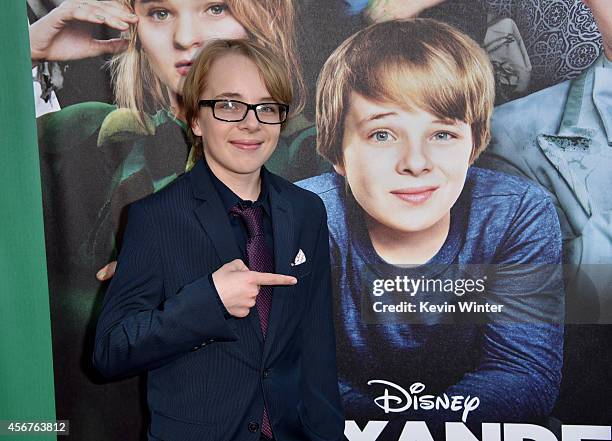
point(408, 399)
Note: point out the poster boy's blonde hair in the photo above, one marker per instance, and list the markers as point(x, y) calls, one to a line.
point(416, 63)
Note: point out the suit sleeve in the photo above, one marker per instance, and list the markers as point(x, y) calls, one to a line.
point(320, 408)
point(141, 327)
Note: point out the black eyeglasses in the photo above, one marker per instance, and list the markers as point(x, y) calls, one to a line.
point(234, 111)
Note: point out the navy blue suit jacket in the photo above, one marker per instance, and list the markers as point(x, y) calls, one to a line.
point(208, 375)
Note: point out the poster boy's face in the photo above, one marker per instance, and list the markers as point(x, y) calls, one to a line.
point(405, 169)
point(172, 31)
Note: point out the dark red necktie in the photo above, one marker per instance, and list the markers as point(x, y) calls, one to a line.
point(259, 258)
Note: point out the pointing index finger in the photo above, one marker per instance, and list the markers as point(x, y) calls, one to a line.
point(273, 279)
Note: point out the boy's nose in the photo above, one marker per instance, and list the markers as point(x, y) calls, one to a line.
point(250, 121)
point(413, 160)
point(186, 34)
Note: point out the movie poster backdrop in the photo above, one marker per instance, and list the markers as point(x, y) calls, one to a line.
point(117, 134)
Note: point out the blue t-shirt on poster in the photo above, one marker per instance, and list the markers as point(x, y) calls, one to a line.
point(513, 365)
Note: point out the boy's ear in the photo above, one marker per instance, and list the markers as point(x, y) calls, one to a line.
point(339, 168)
point(195, 127)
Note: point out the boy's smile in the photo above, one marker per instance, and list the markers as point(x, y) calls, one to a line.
point(415, 195)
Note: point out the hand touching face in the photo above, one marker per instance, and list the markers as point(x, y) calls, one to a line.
point(65, 33)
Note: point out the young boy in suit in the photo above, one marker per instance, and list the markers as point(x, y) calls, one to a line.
point(222, 291)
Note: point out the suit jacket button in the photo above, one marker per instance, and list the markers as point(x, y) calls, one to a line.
point(253, 427)
point(266, 373)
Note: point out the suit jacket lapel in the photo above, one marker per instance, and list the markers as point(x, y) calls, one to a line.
point(212, 215)
point(282, 227)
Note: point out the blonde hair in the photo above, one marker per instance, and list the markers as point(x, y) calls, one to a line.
point(271, 23)
point(412, 63)
point(274, 73)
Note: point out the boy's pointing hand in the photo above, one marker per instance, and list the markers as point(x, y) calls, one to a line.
point(238, 286)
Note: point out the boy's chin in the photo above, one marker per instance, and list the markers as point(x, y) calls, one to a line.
point(251, 165)
point(415, 225)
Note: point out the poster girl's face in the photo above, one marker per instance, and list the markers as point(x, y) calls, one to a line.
point(405, 169)
point(235, 148)
point(172, 31)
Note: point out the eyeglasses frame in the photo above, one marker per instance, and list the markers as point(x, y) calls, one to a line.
point(211, 104)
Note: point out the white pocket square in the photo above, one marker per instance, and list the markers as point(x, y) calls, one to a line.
point(300, 258)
